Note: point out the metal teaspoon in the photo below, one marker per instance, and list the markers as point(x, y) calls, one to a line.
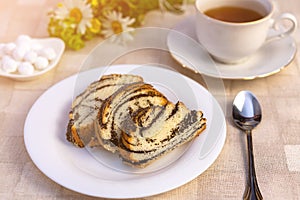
point(246, 113)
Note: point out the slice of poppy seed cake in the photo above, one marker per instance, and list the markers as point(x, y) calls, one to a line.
point(80, 130)
point(141, 125)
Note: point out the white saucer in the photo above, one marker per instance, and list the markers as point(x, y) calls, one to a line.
point(79, 170)
point(270, 59)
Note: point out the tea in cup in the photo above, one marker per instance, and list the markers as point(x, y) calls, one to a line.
point(233, 30)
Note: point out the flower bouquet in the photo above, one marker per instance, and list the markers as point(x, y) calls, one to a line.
point(76, 21)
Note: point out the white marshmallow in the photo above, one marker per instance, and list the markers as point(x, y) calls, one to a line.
point(41, 63)
point(8, 64)
point(30, 56)
point(48, 53)
point(19, 53)
point(9, 47)
point(23, 40)
point(25, 68)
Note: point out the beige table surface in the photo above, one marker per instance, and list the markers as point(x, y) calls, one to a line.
point(276, 140)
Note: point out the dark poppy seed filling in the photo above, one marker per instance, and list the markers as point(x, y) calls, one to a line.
point(86, 105)
point(174, 110)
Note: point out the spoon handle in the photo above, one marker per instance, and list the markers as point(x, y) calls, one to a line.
point(252, 190)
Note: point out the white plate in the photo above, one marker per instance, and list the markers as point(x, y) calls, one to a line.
point(270, 59)
point(58, 46)
point(76, 169)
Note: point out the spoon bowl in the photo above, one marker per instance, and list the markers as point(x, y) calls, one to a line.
point(246, 113)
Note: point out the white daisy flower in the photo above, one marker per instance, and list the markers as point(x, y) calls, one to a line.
point(79, 10)
point(117, 27)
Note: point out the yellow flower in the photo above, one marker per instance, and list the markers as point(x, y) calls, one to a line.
point(94, 3)
point(76, 14)
point(95, 25)
point(77, 11)
point(117, 27)
point(75, 42)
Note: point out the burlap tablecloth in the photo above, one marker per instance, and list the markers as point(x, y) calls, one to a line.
point(276, 140)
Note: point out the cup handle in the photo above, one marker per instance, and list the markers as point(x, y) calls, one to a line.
point(277, 29)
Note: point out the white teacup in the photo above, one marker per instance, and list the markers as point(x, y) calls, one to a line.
point(233, 42)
